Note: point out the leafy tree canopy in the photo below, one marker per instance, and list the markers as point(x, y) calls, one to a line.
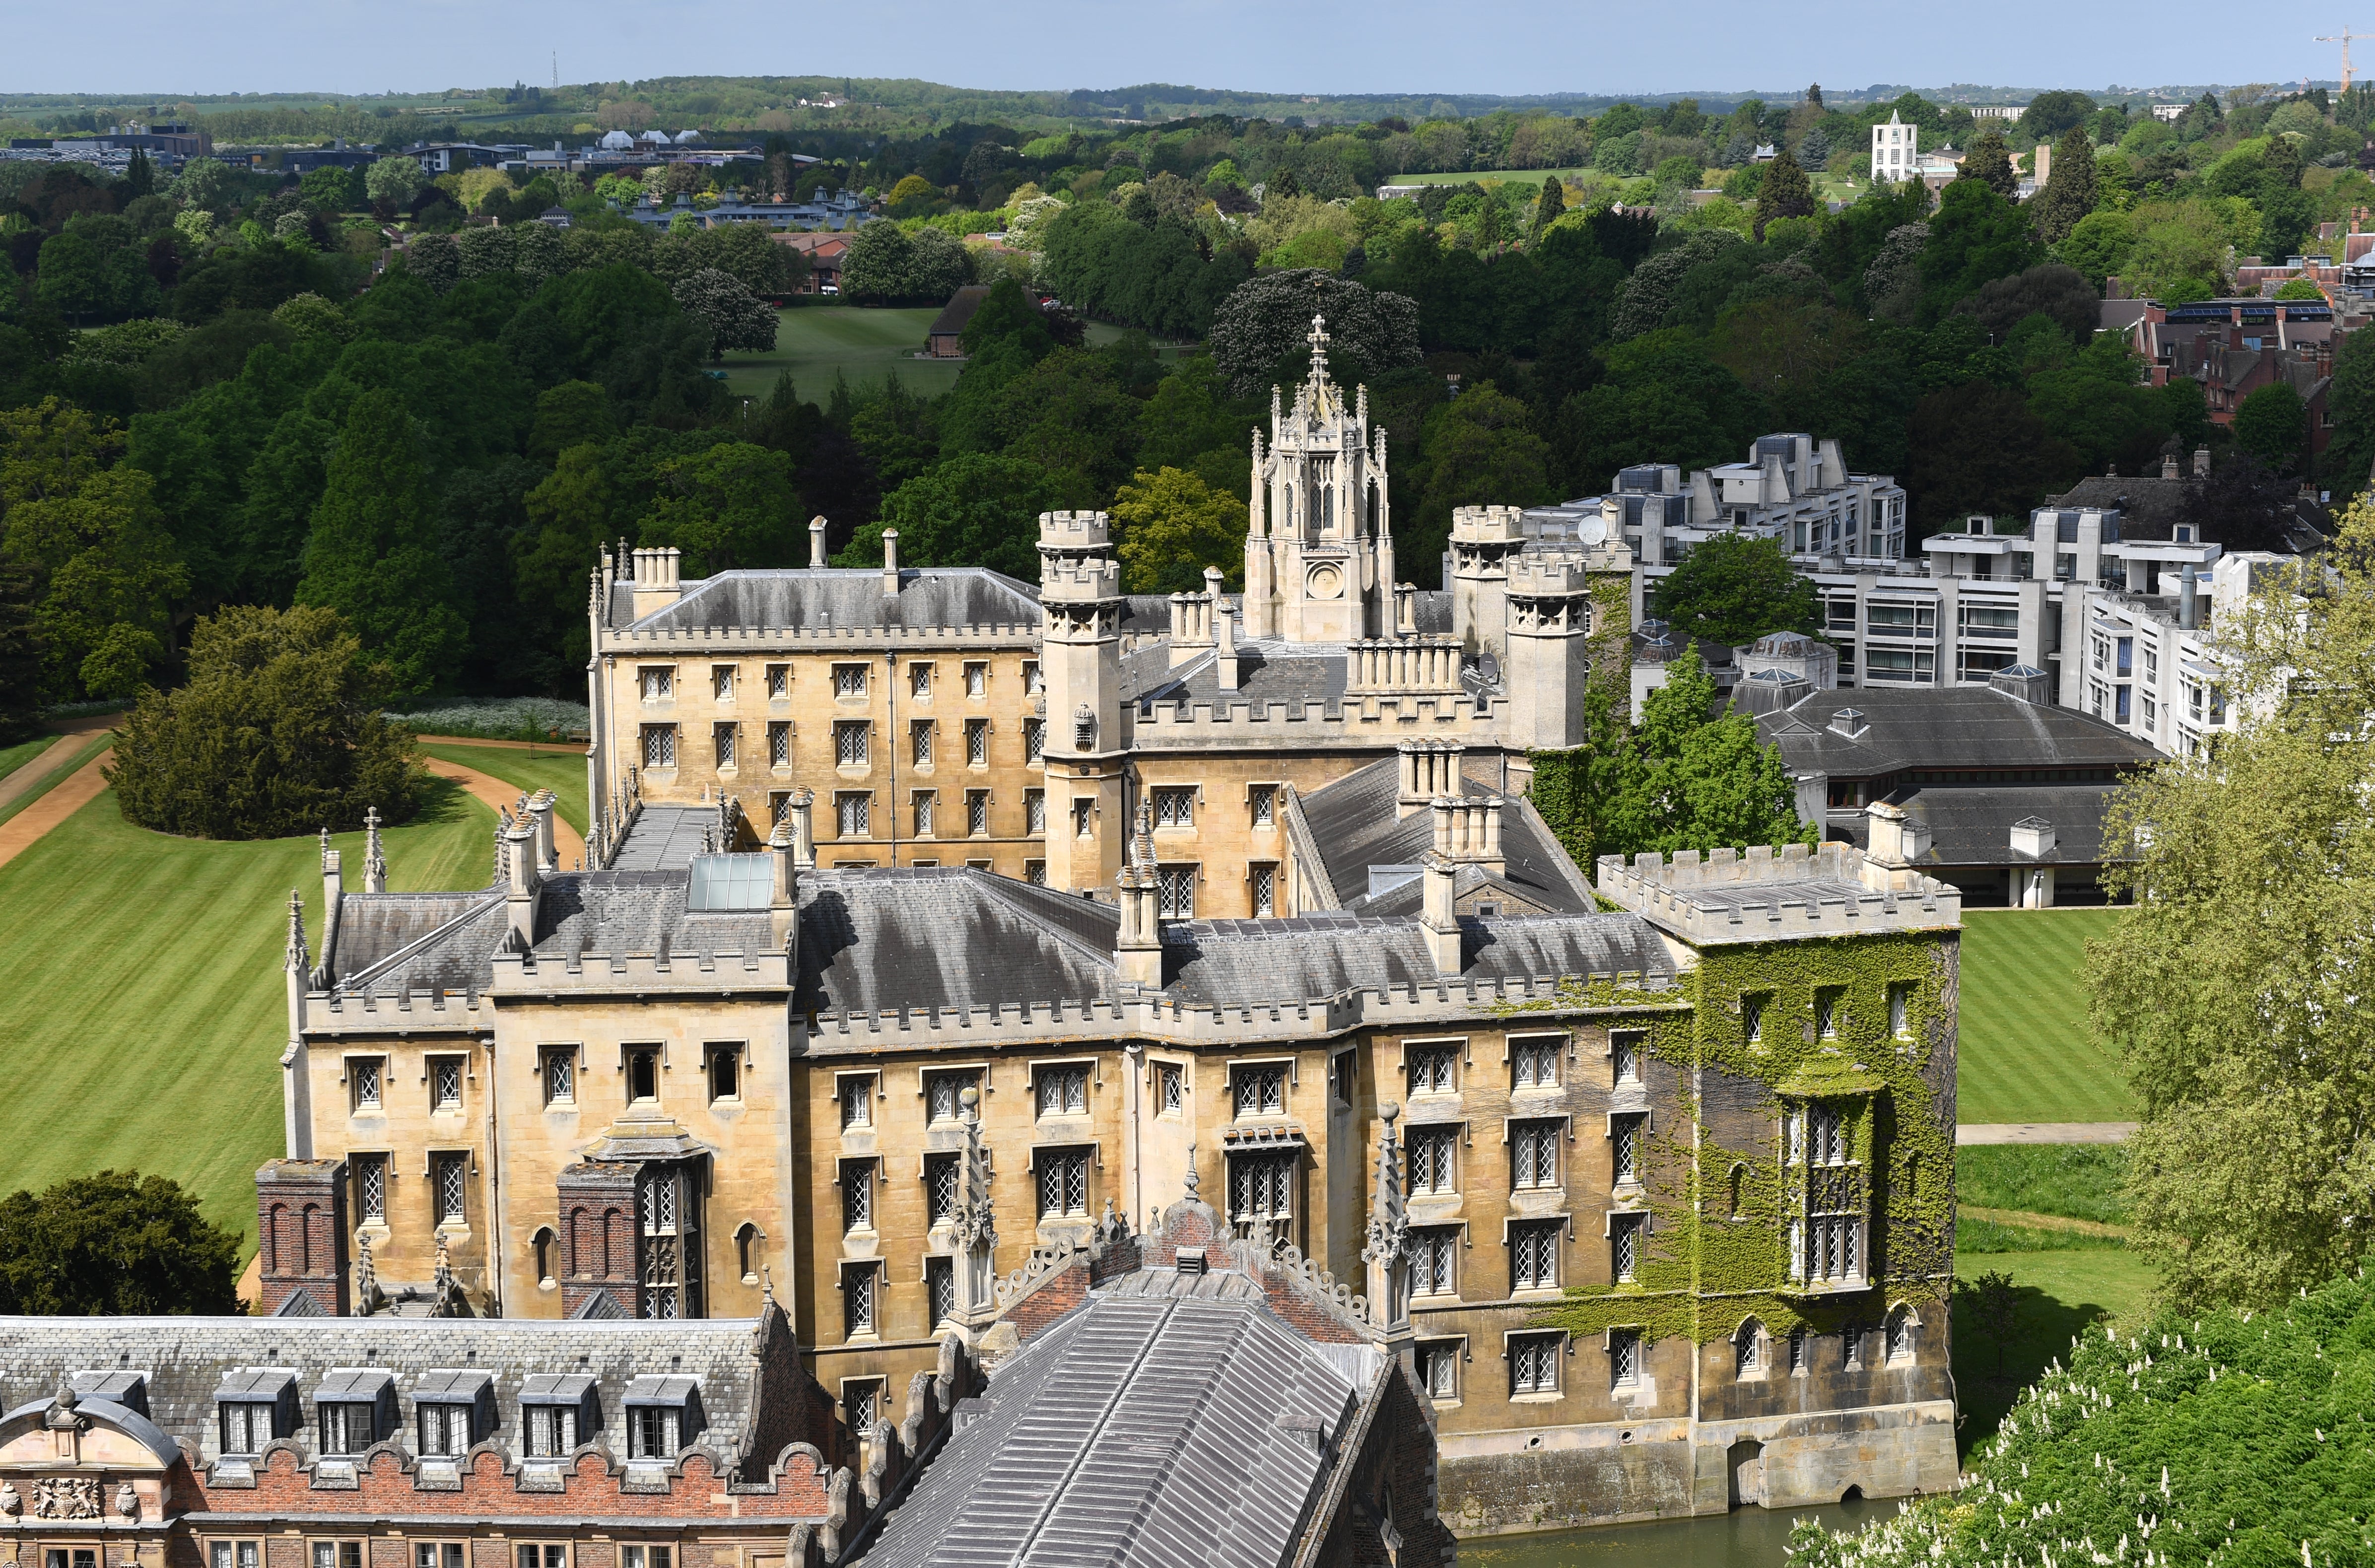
point(1172, 526)
point(114, 1244)
point(279, 732)
point(1734, 588)
point(1259, 335)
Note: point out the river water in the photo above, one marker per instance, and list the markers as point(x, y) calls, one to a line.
point(1745, 1537)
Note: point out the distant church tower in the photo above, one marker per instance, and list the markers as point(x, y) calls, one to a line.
point(1320, 549)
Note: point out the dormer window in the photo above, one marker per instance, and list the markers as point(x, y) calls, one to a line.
point(254, 1408)
point(663, 1416)
point(452, 1411)
point(558, 1411)
point(354, 1409)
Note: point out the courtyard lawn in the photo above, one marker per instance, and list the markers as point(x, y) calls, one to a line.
point(147, 1008)
point(2026, 1053)
point(560, 768)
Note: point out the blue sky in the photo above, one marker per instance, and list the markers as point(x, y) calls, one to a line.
point(1316, 46)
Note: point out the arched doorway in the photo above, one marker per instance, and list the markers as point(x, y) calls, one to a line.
point(1745, 1461)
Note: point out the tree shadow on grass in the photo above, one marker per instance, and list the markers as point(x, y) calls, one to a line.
point(440, 801)
point(2043, 1327)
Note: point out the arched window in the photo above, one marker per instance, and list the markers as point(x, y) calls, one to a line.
point(746, 1252)
point(1326, 507)
point(272, 1238)
point(305, 1239)
point(1900, 1328)
point(1739, 1179)
point(1748, 1349)
point(542, 1243)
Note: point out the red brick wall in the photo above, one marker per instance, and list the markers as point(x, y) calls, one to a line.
point(301, 1216)
point(696, 1491)
point(1057, 1294)
point(596, 1204)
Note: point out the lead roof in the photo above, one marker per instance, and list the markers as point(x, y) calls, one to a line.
point(834, 598)
point(1954, 728)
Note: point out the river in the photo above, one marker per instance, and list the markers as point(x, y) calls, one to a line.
point(1745, 1537)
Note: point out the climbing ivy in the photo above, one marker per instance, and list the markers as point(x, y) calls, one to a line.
point(1717, 1251)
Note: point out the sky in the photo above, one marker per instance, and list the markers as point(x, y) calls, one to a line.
point(145, 47)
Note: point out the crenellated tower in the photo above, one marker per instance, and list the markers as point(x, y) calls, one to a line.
point(1085, 752)
point(1320, 549)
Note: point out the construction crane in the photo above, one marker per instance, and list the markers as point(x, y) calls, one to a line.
point(2344, 38)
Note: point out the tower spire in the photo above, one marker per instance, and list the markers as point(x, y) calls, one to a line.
point(299, 960)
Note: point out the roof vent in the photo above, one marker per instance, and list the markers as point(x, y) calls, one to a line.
point(1848, 722)
point(1191, 1260)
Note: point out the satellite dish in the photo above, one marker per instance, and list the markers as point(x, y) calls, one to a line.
point(1592, 530)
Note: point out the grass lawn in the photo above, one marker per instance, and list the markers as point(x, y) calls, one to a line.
point(2027, 1054)
point(147, 1008)
point(560, 768)
point(2076, 1180)
point(84, 749)
point(864, 346)
point(14, 757)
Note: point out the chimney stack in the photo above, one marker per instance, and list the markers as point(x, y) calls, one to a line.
point(2168, 465)
point(2201, 462)
point(523, 885)
point(1224, 627)
point(816, 544)
point(889, 563)
point(547, 853)
point(1438, 913)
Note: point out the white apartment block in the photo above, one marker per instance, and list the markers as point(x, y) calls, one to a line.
point(1892, 149)
point(2122, 627)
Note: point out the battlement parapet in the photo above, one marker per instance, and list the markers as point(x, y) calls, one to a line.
point(1487, 525)
point(1369, 718)
point(649, 642)
point(1080, 582)
point(1075, 530)
point(1831, 891)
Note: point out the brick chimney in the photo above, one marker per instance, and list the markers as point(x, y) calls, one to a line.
point(300, 1220)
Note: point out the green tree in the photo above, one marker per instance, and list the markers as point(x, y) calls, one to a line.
point(1480, 449)
point(1785, 193)
point(736, 318)
point(373, 553)
point(2350, 399)
point(569, 415)
point(1734, 588)
point(2231, 983)
point(1547, 209)
point(732, 505)
point(205, 185)
point(279, 732)
point(2069, 193)
point(393, 181)
point(72, 277)
point(1683, 778)
point(2272, 426)
point(1262, 329)
point(1975, 237)
point(980, 509)
point(1173, 526)
point(20, 652)
point(114, 1244)
point(1978, 449)
point(1990, 162)
point(333, 189)
point(110, 577)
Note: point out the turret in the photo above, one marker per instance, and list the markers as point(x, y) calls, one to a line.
point(1546, 655)
point(1079, 663)
point(1483, 538)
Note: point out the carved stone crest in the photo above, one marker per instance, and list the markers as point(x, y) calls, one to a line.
point(66, 1497)
point(127, 1500)
point(11, 1502)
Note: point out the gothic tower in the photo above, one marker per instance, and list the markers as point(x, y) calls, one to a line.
point(1320, 549)
point(1079, 591)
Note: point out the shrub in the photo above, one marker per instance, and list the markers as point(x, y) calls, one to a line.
point(279, 732)
point(2232, 1438)
point(502, 718)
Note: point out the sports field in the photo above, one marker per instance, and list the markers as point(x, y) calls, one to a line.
point(863, 345)
point(2027, 1054)
point(147, 1008)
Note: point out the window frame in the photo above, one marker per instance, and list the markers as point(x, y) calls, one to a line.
point(727, 1054)
point(1537, 1365)
point(1069, 1168)
point(853, 743)
point(779, 744)
point(1423, 1142)
point(850, 681)
point(1453, 1052)
point(1550, 1048)
point(449, 1187)
point(367, 1084)
point(1546, 1239)
point(559, 1087)
point(1173, 807)
point(1062, 1077)
point(1259, 1071)
point(658, 748)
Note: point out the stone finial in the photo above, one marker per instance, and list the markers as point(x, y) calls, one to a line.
point(443, 1274)
point(325, 849)
point(374, 855)
point(1193, 1179)
point(766, 1285)
point(367, 1291)
point(299, 959)
point(1142, 843)
point(1318, 338)
point(66, 1398)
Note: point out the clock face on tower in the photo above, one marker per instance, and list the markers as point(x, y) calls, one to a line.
point(1325, 582)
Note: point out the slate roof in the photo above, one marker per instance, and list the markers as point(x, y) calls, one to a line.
point(948, 937)
point(1137, 1432)
point(1235, 962)
point(1957, 727)
point(929, 596)
point(187, 1359)
point(1971, 825)
point(875, 939)
point(1354, 823)
point(1267, 672)
point(407, 942)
